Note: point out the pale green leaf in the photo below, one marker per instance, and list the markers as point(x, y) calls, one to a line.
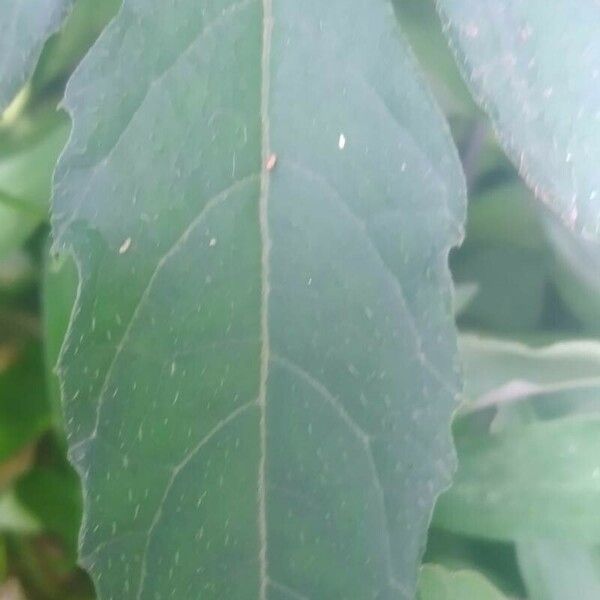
point(25, 177)
point(261, 367)
point(538, 480)
point(534, 66)
point(437, 583)
point(14, 517)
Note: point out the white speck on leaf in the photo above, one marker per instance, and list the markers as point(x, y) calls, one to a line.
point(125, 246)
point(213, 242)
point(342, 141)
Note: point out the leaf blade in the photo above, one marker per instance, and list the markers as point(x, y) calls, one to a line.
point(177, 370)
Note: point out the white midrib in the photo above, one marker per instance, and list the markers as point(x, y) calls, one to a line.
point(264, 316)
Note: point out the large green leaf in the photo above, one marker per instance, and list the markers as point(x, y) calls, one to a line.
point(261, 366)
point(437, 583)
point(25, 25)
point(536, 72)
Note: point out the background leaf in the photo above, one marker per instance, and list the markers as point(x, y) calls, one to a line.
point(505, 478)
point(499, 371)
point(536, 73)
point(25, 25)
point(556, 570)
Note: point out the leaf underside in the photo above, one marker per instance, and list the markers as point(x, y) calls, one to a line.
point(260, 369)
point(537, 73)
point(25, 25)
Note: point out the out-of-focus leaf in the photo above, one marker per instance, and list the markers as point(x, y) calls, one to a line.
point(25, 25)
point(497, 372)
point(11, 589)
point(437, 583)
point(17, 271)
point(25, 178)
point(559, 570)
point(24, 409)
point(14, 517)
point(506, 256)
point(64, 51)
point(59, 292)
point(260, 371)
point(535, 67)
point(577, 273)
point(53, 497)
point(510, 286)
point(463, 296)
point(19, 462)
point(540, 480)
point(504, 214)
point(421, 24)
point(495, 560)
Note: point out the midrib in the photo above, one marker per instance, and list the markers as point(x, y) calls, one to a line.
point(264, 324)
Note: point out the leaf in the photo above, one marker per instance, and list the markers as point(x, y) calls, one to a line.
point(261, 366)
point(506, 256)
point(464, 294)
point(64, 51)
point(437, 583)
point(14, 517)
point(500, 372)
point(510, 287)
point(24, 412)
point(540, 480)
point(59, 293)
point(536, 73)
point(555, 570)
point(25, 178)
point(25, 25)
point(496, 561)
point(576, 273)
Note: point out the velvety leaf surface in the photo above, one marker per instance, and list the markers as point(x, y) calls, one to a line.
point(25, 25)
point(261, 366)
point(536, 72)
point(438, 583)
